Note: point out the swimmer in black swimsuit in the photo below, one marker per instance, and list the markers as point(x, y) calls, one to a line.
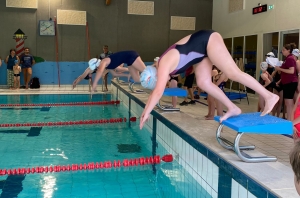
point(87, 74)
point(113, 65)
point(204, 49)
point(131, 58)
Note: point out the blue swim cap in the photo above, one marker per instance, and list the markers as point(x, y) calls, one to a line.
point(148, 77)
point(16, 61)
point(94, 63)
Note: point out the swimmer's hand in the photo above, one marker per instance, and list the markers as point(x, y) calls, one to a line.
point(144, 118)
point(74, 83)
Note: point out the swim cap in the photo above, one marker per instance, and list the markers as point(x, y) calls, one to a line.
point(94, 63)
point(156, 58)
point(16, 61)
point(149, 77)
point(296, 52)
point(270, 54)
point(263, 65)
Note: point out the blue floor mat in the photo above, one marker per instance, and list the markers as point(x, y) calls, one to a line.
point(230, 95)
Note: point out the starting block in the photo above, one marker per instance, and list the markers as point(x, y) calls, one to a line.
point(252, 123)
point(130, 86)
point(172, 92)
point(120, 81)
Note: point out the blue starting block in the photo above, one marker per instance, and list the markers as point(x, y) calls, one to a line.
point(172, 92)
point(252, 123)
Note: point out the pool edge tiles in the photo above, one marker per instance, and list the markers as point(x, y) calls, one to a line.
point(197, 149)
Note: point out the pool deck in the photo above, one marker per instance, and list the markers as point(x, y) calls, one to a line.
point(276, 176)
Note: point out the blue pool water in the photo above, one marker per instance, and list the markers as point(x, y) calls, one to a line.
point(45, 146)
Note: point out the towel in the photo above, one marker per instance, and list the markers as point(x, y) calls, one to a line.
point(274, 62)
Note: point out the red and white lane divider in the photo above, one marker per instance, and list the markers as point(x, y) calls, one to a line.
point(65, 123)
point(62, 104)
point(90, 166)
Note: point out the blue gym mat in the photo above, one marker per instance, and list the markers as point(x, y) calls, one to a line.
point(230, 95)
point(175, 92)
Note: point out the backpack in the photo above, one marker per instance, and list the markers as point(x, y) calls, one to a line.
point(35, 83)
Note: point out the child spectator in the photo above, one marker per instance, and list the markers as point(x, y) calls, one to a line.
point(17, 70)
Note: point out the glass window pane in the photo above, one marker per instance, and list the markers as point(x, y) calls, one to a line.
point(238, 44)
point(228, 44)
point(250, 57)
point(238, 47)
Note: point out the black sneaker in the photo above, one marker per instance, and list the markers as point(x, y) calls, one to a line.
point(196, 97)
point(183, 103)
point(192, 102)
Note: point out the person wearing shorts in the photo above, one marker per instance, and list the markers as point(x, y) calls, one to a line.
point(27, 62)
point(188, 85)
point(277, 89)
point(289, 78)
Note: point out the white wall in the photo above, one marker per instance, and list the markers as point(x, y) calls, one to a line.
point(285, 16)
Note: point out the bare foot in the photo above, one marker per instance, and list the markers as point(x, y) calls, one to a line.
point(209, 118)
point(231, 112)
point(270, 103)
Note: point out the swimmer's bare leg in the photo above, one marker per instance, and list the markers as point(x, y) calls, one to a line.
point(223, 60)
point(203, 77)
point(115, 74)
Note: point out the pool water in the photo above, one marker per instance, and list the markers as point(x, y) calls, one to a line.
point(52, 98)
point(44, 146)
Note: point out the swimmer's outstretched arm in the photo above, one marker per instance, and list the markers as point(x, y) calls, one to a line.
point(98, 76)
point(82, 76)
point(162, 79)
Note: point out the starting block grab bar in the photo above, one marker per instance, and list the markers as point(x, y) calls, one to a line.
point(172, 92)
point(252, 123)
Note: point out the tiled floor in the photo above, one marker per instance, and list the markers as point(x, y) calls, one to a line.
point(277, 145)
point(277, 176)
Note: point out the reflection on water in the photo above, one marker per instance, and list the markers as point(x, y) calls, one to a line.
point(48, 184)
point(56, 151)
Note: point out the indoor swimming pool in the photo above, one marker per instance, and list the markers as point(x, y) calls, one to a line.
point(26, 147)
